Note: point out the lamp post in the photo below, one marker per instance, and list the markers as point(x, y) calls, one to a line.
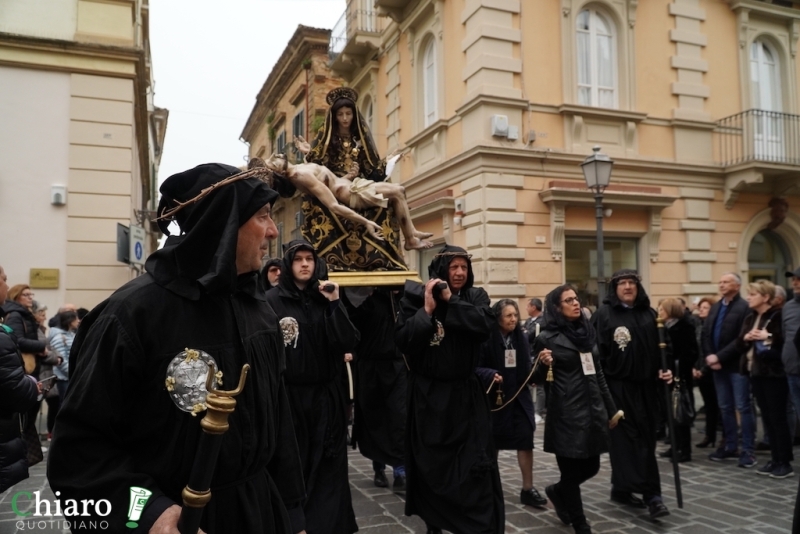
point(597, 173)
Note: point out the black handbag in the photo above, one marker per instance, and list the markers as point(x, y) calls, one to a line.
point(33, 445)
point(682, 402)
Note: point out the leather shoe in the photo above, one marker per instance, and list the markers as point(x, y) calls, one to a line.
point(627, 499)
point(657, 509)
point(531, 497)
point(705, 443)
point(380, 480)
point(558, 504)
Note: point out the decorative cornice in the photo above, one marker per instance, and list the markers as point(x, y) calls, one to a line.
point(602, 113)
point(490, 100)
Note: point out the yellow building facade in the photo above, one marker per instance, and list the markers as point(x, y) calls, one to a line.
point(499, 101)
point(80, 144)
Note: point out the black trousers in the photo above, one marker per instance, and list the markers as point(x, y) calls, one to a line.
point(709, 394)
point(771, 395)
point(574, 472)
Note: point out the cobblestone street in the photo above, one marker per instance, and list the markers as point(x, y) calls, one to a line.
point(718, 498)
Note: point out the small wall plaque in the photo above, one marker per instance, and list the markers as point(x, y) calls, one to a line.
point(44, 279)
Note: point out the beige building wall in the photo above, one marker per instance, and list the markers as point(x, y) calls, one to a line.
point(690, 185)
point(77, 114)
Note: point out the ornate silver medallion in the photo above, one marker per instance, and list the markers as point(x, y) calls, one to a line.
point(622, 336)
point(291, 331)
point(186, 379)
point(438, 336)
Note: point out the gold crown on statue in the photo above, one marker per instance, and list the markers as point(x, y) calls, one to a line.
point(341, 92)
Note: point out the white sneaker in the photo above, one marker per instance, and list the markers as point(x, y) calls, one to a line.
point(538, 418)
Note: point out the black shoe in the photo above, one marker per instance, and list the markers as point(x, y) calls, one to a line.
point(558, 505)
point(399, 484)
point(532, 497)
point(582, 528)
point(657, 509)
point(682, 458)
point(627, 498)
point(380, 480)
point(705, 443)
point(666, 454)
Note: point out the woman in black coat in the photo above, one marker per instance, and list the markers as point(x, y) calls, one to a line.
point(20, 319)
point(18, 393)
point(504, 361)
point(580, 409)
point(682, 354)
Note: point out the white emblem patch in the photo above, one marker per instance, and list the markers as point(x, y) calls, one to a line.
point(622, 336)
point(186, 379)
point(290, 330)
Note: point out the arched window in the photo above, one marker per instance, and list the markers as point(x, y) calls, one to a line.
point(597, 60)
point(766, 100)
point(431, 113)
point(765, 76)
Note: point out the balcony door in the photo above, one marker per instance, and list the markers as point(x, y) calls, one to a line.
point(766, 93)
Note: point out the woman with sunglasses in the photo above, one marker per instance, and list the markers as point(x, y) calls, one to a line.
point(580, 409)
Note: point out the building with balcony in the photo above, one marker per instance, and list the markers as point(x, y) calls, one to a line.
point(291, 103)
point(80, 144)
point(499, 101)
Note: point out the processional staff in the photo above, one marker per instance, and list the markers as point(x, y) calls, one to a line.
point(220, 405)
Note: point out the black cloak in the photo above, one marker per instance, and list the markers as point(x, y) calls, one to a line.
point(314, 366)
point(627, 338)
point(514, 424)
point(119, 426)
point(381, 380)
point(453, 479)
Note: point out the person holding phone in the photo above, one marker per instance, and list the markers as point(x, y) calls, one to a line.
point(317, 332)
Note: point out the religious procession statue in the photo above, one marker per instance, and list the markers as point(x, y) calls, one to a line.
point(355, 224)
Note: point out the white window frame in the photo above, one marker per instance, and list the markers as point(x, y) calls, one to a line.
point(594, 85)
point(429, 83)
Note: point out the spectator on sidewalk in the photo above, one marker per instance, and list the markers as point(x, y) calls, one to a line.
point(720, 332)
point(18, 393)
point(790, 356)
point(704, 378)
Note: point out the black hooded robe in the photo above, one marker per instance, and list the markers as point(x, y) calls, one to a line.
point(632, 376)
point(119, 426)
point(453, 480)
point(382, 381)
point(314, 366)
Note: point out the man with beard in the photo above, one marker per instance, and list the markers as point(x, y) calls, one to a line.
point(627, 337)
point(317, 332)
point(381, 383)
point(453, 479)
point(139, 355)
point(272, 272)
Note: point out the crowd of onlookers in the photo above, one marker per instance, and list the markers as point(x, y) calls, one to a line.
point(34, 367)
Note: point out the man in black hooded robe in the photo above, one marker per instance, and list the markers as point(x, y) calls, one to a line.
point(453, 480)
point(120, 428)
point(627, 337)
point(381, 383)
point(317, 332)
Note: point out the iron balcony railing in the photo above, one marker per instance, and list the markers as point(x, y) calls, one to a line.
point(351, 22)
point(759, 135)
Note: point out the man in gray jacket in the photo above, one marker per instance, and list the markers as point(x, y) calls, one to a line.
point(791, 360)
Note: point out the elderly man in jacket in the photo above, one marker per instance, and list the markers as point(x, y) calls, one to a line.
point(720, 331)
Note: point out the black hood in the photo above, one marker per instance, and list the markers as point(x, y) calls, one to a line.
point(441, 263)
point(642, 300)
point(202, 259)
point(286, 281)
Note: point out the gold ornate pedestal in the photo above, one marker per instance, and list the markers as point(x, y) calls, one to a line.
point(373, 278)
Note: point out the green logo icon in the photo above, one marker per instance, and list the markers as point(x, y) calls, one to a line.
point(139, 497)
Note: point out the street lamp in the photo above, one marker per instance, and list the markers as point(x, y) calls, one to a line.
point(597, 173)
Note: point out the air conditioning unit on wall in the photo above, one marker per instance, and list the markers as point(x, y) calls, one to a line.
point(499, 126)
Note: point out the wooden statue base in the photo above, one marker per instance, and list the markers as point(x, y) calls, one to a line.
point(373, 278)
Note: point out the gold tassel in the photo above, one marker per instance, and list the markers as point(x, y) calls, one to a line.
point(499, 400)
point(550, 372)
